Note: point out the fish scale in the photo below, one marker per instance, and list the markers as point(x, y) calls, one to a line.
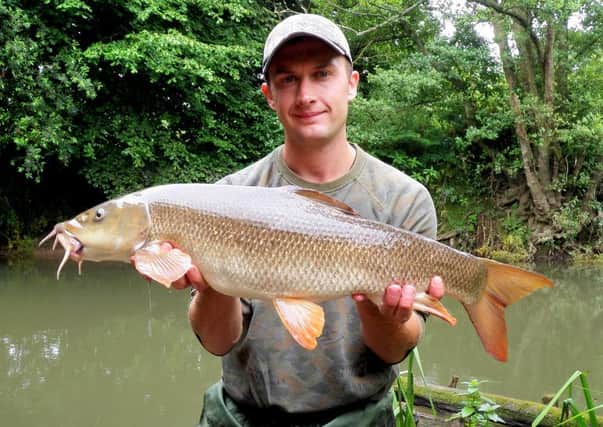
point(364, 256)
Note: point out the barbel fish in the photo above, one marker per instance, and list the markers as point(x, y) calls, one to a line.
point(294, 247)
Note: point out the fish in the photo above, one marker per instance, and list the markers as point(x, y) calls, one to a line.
point(294, 247)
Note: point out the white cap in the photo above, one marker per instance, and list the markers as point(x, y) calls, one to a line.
point(304, 24)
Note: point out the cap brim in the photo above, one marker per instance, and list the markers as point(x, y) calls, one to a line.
point(268, 59)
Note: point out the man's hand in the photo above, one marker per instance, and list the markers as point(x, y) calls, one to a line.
point(194, 278)
point(394, 328)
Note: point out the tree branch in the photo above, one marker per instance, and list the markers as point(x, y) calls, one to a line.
point(387, 22)
point(522, 20)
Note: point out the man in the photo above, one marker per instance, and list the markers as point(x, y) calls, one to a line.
point(267, 378)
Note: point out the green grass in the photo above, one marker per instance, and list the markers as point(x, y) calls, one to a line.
point(570, 413)
point(404, 397)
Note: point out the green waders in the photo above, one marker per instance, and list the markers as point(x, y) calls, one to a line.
point(219, 410)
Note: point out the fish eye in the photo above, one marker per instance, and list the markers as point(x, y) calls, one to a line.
point(100, 214)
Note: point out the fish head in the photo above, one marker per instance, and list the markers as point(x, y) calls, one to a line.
point(110, 231)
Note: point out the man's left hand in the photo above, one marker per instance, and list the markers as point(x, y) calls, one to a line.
point(392, 329)
point(399, 298)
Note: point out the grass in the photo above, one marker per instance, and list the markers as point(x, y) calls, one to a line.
point(404, 397)
point(570, 413)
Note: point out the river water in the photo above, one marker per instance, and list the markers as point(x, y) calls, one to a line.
point(108, 349)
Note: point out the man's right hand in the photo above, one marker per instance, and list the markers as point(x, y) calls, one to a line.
point(193, 278)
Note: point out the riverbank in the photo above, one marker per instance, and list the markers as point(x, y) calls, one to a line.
point(435, 406)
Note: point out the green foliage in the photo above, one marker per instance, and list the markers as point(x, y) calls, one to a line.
point(571, 218)
point(380, 32)
point(404, 397)
point(12, 232)
point(171, 94)
point(401, 122)
point(129, 94)
point(44, 81)
point(10, 224)
point(477, 410)
point(570, 411)
point(515, 237)
point(21, 249)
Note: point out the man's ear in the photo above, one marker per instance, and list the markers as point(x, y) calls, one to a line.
point(353, 85)
point(268, 94)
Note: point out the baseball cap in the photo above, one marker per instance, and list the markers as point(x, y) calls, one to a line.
point(304, 24)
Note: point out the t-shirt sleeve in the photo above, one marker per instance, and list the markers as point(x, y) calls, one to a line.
point(415, 212)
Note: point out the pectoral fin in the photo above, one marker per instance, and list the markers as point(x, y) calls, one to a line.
point(163, 266)
point(428, 304)
point(303, 319)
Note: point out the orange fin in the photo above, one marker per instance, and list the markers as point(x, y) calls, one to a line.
point(505, 285)
point(428, 304)
point(303, 319)
point(160, 265)
point(324, 199)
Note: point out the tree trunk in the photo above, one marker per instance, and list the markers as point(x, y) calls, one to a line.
point(547, 125)
point(536, 189)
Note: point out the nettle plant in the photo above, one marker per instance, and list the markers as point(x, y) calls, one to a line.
point(477, 410)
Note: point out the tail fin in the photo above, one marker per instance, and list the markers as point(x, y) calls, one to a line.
point(505, 284)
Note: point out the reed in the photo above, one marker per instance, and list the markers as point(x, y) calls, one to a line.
point(404, 397)
point(570, 413)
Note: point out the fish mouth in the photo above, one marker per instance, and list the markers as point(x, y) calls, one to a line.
point(73, 247)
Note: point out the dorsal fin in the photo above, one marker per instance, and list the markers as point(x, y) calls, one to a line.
point(317, 196)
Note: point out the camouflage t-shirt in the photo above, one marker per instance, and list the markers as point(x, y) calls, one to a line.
point(267, 368)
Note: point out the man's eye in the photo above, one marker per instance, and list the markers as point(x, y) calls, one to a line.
point(288, 79)
point(322, 74)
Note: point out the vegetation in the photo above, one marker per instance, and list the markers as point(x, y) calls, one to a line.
point(482, 409)
point(404, 394)
point(99, 98)
point(569, 410)
point(478, 411)
point(404, 398)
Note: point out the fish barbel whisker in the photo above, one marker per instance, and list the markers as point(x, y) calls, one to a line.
point(63, 261)
point(70, 245)
point(51, 234)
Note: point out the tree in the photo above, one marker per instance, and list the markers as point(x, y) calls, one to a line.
point(542, 55)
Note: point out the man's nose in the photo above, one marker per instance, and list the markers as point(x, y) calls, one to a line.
point(305, 92)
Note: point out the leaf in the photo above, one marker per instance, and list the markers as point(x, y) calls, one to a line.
point(467, 411)
point(548, 407)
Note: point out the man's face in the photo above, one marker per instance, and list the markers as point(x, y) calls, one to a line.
point(309, 87)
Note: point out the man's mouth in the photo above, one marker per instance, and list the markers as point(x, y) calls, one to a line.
point(73, 247)
point(308, 114)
